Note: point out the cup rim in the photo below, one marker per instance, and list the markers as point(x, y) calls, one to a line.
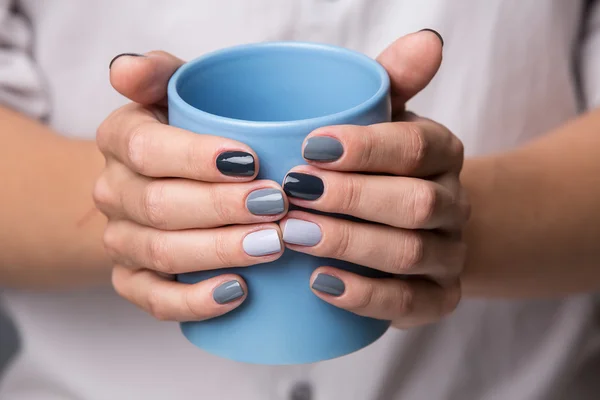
point(174, 99)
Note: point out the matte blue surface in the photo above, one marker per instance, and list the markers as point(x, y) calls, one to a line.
point(271, 96)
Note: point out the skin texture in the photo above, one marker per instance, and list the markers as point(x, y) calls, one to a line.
point(532, 233)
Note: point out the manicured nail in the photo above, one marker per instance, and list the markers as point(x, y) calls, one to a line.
point(228, 292)
point(436, 33)
point(323, 148)
point(265, 202)
point(262, 243)
point(303, 186)
point(124, 54)
point(236, 163)
point(329, 284)
point(304, 233)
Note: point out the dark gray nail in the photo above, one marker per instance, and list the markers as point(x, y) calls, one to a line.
point(303, 186)
point(228, 292)
point(236, 163)
point(122, 55)
point(329, 284)
point(434, 32)
point(265, 202)
point(323, 148)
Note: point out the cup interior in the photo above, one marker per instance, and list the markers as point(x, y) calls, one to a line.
point(275, 83)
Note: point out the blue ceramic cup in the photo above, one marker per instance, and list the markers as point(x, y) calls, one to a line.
point(271, 96)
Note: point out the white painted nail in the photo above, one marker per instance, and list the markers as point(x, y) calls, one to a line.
point(304, 233)
point(262, 243)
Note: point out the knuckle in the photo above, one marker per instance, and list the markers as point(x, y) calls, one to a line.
point(368, 152)
point(224, 213)
point(153, 204)
point(424, 203)
point(418, 147)
point(457, 148)
point(137, 147)
point(156, 306)
point(411, 254)
point(341, 246)
point(223, 252)
point(193, 165)
point(159, 253)
point(363, 300)
point(103, 194)
point(351, 199)
point(103, 133)
point(190, 302)
point(117, 283)
point(111, 241)
point(406, 300)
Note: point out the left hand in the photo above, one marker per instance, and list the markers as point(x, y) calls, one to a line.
point(416, 203)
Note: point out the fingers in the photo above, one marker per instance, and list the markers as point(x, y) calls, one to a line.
point(143, 78)
point(175, 252)
point(174, 204)
point(405, 302)
point(172, 301)
point(420, 148)
point(411, 62)
point(396, 251)
point(134, 136)
point(397, 201)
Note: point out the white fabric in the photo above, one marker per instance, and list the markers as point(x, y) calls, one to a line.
point(507, 77)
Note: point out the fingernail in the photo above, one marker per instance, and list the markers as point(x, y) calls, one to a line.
point(436, 33)
point(303, 186)
point(323, 148)
point(329, 284)
point(304, 233)
point(236, 163)
point(228, 292)
point(262, 243)
point(124, 54)
point(265, 202)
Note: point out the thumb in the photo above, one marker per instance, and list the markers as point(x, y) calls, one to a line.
point(143, 78)
point(411, 62)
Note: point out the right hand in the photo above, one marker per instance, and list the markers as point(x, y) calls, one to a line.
point(170, 208)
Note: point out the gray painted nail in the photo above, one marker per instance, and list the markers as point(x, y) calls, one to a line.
point(262, 243)
point(228, 292)
point(304, 233)
point(323, 148)
point(329, 284)
point(265, 202)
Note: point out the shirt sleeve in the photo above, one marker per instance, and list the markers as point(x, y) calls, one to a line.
point(21, 85)
point(590, 57)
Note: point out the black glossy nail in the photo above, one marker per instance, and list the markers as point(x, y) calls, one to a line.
point(303, 186)
point(124, 54)
point(236, 163)
point(228, 292)
point(329, 284)
point(436, 33)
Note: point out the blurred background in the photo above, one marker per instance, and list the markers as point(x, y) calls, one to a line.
point(8, 340)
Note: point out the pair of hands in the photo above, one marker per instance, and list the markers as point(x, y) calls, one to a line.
point(177, 202)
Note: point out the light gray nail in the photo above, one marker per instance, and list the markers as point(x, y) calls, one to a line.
point(265, 202)
point(262, 243)
point(304, 233)
point(323, 148)
point(329, 284)
point(228, 292)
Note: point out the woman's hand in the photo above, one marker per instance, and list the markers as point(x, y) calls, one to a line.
point(402, 177)
point(178, 202)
